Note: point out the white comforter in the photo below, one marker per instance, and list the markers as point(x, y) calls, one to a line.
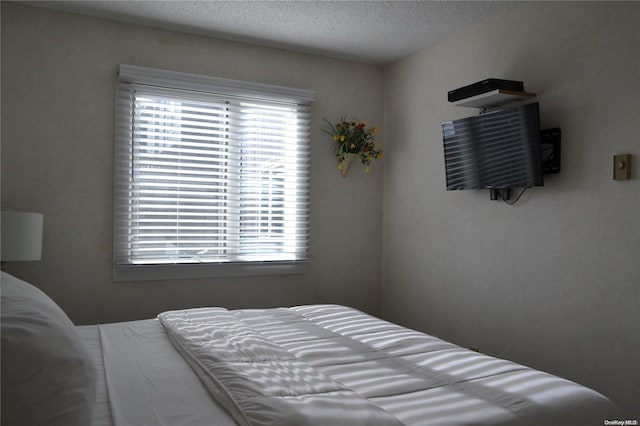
point(333, 365)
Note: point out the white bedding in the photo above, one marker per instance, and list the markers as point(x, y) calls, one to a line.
point(414, 378)
point(147, 382)
point(245, 364)
point(91, 337)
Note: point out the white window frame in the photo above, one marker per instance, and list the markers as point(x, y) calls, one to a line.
point(125, 265)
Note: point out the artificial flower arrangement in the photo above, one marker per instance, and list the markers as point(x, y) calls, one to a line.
point(352, 139)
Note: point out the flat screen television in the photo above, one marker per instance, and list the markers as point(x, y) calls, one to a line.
point(495, 150)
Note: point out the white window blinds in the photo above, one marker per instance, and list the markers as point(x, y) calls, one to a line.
point(209, 171)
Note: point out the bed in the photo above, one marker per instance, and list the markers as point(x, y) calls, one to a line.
point(301, 365)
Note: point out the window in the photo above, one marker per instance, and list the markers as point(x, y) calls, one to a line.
point(211, 176)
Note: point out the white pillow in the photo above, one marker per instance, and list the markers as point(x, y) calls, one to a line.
point(48, 376)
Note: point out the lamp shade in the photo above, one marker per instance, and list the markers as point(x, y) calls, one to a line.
point(21, 236)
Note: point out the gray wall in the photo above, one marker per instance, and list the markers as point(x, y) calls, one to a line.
point(58, 88)
point(554, 281)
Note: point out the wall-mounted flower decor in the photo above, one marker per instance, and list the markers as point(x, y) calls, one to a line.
point(352, 140)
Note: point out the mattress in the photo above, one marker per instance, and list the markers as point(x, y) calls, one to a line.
point(415, 378)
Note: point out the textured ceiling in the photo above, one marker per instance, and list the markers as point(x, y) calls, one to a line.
point(376, 32)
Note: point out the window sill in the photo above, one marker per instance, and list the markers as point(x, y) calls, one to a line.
point(219, 270)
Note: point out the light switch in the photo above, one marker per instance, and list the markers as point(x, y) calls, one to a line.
point(622, 167)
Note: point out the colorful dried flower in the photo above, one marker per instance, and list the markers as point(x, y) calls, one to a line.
point(352, 137)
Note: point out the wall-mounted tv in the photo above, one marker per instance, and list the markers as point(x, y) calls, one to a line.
point(495, 150)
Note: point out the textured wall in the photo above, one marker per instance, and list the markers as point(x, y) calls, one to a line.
point(554, 281)
point(58, 87)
